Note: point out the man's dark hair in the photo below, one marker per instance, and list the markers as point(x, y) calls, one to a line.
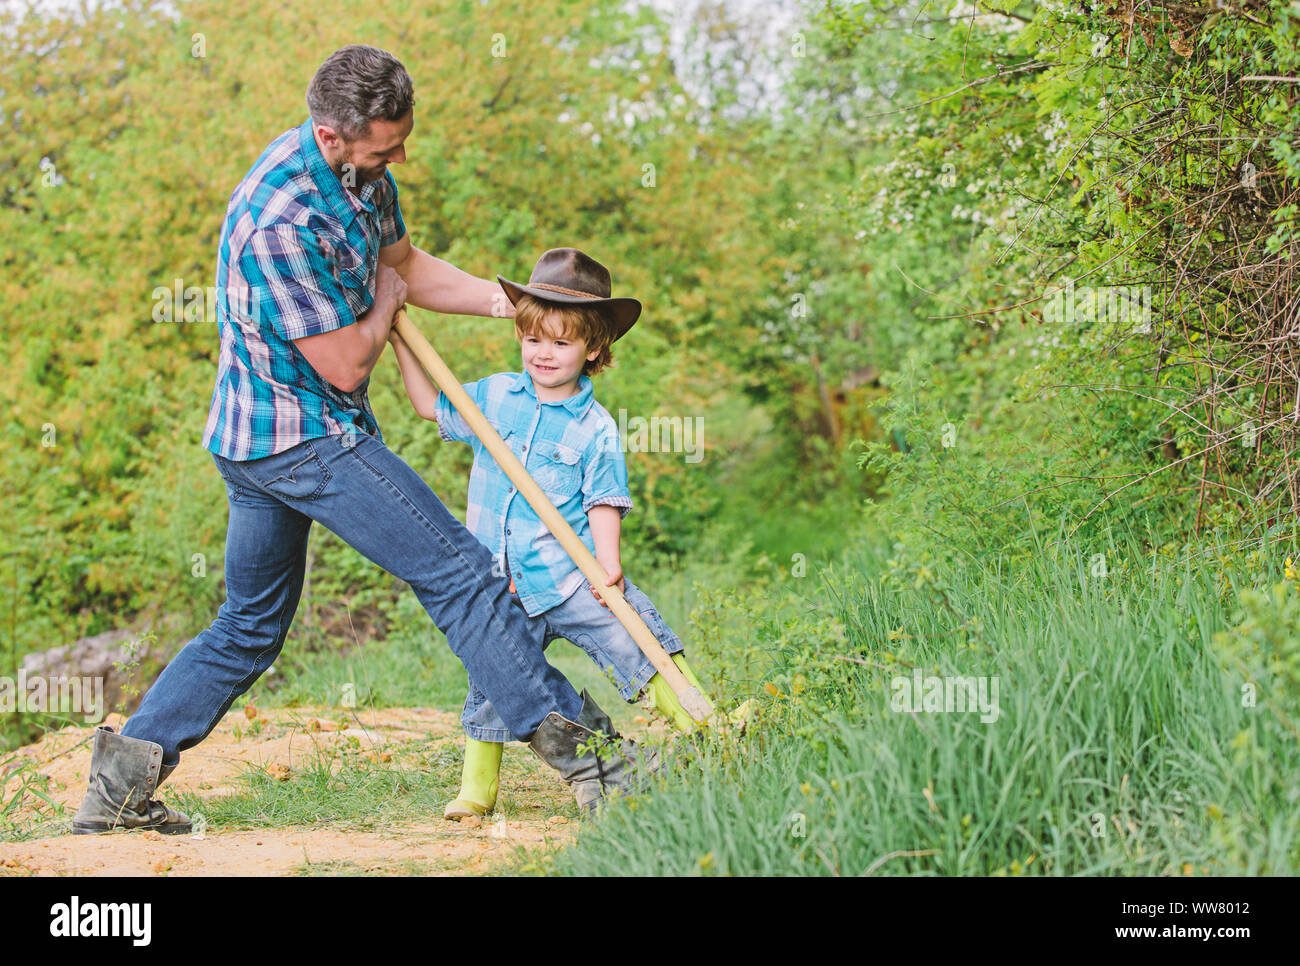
point(356, 85)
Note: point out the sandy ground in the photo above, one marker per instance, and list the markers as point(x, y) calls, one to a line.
point(279, 741)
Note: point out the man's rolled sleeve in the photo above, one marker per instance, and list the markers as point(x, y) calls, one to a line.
point(299, 293)
point(604, 474)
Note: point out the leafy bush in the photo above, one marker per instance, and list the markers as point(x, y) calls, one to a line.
point(1112, 745)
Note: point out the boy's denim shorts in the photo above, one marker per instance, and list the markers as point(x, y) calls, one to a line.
point(582, 620)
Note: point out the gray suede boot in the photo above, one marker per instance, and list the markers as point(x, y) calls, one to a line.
point(615, 764)
point(124, 774)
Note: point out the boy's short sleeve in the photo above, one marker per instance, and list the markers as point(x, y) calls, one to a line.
point(299, 294)
point(451, 425)
point(391, 225)
point(604, 473)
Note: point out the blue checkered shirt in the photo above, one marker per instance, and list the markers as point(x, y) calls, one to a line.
point(298, 255)
point(571, 448)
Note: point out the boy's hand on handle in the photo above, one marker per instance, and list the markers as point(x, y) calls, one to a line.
point(615, 573)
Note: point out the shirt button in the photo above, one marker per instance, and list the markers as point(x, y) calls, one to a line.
point(507, 531)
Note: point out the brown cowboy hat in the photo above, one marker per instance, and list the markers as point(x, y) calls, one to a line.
point(573, 277)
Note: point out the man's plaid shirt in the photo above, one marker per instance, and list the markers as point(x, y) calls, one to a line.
point(297, 257)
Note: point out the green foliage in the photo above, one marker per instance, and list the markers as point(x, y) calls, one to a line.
point(1040, 469)
point(1264, 647)
point(23, 787)
point(124, 134)
point(1144, 155)
point(1114, 748)
point(1262, 655)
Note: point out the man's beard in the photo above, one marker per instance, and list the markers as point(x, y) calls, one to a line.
point(359, 175)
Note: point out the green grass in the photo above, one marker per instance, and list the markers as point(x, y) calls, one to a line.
point(23, 787)
point(1122, 745)
point(412, 667)
point(407, 868)
point(349, 790)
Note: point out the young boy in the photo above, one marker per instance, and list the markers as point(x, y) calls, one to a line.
point(566, 322)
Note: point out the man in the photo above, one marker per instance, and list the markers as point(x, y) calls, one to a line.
point(314, 263)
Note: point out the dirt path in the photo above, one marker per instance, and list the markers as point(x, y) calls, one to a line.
point(285, 744)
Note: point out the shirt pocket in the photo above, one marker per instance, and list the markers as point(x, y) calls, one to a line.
point(354, 273)
point(351, 269)
point(557, 471)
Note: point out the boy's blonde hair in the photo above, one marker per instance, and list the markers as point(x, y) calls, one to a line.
point(575, 321)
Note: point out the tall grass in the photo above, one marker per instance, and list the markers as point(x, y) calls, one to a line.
point(1124, 742)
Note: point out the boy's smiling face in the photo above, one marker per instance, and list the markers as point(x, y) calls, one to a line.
point(554, 360)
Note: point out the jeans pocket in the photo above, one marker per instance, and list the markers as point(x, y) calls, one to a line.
point(303, 480)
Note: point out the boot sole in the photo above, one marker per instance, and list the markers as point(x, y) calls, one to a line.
point(461, 809)
point(100, 828)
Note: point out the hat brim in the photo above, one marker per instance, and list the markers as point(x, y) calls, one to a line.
point(622, 312)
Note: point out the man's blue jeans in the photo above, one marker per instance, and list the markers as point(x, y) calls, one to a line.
point(361, 490)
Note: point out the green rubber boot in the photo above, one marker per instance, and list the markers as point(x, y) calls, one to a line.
point(680, 660)
point(478, 781)
point(665, 699)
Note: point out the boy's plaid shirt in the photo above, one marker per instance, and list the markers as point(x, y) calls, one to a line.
point(297, 257)
point(571, 448)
